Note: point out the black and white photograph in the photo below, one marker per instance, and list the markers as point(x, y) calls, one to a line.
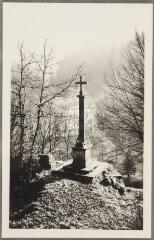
point(77, 106)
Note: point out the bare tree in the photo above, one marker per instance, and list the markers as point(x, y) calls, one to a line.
point(68, 131)
point(44, 69)
point(121, 113)
point(48, 92)
point(21, 74)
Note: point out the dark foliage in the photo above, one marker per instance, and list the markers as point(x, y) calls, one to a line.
point(128, 166)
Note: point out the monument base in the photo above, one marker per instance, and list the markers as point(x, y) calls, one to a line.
point(79, 155)
point(85, 175)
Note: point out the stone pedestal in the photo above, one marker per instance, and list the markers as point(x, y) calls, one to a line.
point(80, 165)
point(78, 155)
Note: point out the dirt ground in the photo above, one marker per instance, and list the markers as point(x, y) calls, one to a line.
point(68, 204)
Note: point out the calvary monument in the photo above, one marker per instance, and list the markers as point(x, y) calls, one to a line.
point(80, 166)
point(78, 151)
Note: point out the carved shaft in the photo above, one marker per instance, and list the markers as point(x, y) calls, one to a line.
point(81, 118)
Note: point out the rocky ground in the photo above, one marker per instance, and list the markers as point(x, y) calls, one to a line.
point(67, 204)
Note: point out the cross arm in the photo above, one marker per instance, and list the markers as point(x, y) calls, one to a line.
point(81, 82)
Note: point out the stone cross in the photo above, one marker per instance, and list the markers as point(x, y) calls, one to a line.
point(80, 165)
point(80, 139)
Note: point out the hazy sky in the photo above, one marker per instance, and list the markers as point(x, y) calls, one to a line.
point(72, 27)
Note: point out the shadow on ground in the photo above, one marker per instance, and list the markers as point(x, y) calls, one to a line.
point(21, 201)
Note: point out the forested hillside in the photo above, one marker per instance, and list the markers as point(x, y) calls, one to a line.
point(44, 112)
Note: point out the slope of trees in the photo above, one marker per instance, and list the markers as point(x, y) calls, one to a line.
point(44, 118)
point(121, 112)
point(37, 122)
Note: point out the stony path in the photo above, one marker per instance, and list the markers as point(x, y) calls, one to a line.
point(70, 204)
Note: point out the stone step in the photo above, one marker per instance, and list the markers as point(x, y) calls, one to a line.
point(85, 175)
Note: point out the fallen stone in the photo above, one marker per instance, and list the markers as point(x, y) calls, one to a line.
point(106, 181)
point(118, 185)
point(113, 181)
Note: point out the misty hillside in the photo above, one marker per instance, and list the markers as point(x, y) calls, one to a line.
point(94, 65)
